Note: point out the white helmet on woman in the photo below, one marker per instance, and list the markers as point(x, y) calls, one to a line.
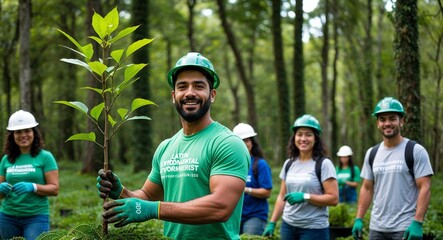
point(344, 151)
point(244, 131)
point(21, 120)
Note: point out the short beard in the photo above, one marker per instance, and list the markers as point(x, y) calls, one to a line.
point(193, 116)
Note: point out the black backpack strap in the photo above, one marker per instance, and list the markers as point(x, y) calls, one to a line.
point(288, 165)
point(372, 154)
point(318, 164)
point(409, 156)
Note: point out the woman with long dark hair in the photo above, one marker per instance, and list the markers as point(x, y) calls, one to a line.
point(28, 175)
point(348, 175)
point(308, 186)
point(258, 184)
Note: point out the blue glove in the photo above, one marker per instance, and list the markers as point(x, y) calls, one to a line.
point(108, 184)
point(5, 188)
point(294, 197)
point(357, 228)
point(414, 231)
point(23, 187)
point(269, 231)
point(129, 210)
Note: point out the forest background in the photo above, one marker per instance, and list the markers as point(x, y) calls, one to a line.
point(276, 60)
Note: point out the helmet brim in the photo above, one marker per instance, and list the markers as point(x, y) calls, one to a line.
point(21, 127)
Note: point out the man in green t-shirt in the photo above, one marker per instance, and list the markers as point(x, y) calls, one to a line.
point(198, 175)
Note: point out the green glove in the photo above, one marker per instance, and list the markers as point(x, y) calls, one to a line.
point(23, 187)
point(357, 228)
point(129, 210)
point(5, 188)
point(269, 231)
point(414, 231)
point(108, 184)
point(294, 197)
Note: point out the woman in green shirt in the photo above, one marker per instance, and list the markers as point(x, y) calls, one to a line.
point(348, 176)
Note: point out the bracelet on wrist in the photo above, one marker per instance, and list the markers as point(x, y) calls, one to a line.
point(249, 191)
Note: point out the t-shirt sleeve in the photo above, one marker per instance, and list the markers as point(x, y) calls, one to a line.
point(422, 164)
point(327, 170)
point(264, 175)
point(50, 162)
point(154, 175)
point(231, 157)
point(366, 171)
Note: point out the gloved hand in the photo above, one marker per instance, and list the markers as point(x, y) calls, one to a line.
point(341, 181)
point(357, 229)
point(5, 188)
point(23, 187)
point(269, 231)
point(414, 231)
point(129, 210)
point(108, 184)
point(294, 197)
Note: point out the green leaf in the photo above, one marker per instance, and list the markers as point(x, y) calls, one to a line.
point(72, 40)
point(132, 70)
point(97, 67)
point(88, 50)
point(112, 19)
point(100, 25)
point(97, 110)
point(83, 136)
point(76, 62)
point(98, 90)
point(140, 102)
point(75, 104)
point(138, 118)
point(137, 45)
point(98, 40)
point(72, 49)
point(117, 55)
point(111, 120)
point(122, 112)
point(123, 33)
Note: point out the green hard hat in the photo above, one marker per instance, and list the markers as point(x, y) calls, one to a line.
point(307, 121)
point(196, 60)
point(388, 104)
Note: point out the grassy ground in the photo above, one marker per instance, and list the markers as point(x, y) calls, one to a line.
point(77, 209)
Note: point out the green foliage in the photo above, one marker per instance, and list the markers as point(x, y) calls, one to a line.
point(105, 69)
point(342, 215)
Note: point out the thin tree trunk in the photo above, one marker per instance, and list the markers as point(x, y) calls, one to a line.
point(299, 95)
point(324, 76)
point(24, 55)
point(191, 5)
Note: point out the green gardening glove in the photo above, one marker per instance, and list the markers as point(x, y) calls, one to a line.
point(269, 231)
point(357, 229)
point(294, 197)
point(109, 184)
point(414, 231)
point(23, 187)
point(129, 210)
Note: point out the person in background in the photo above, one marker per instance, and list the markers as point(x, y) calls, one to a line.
point(198, 175)
point(400, 199)
point(304, 196)
point(348, 175)
point(258, 184)
point(28, 175)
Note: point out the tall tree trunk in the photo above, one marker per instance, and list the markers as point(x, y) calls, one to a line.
point(282, 84)
point(334, 125)
point(142, 147)
point(191, 5)
point(24, 55)
point(298, 70)
point(407, 64)
point(249, 89)
point(324, 76)
point(436, 128)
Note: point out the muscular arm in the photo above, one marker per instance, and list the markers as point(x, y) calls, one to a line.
point(217, 206)
point(424, 196)
point(150, 191)
point(52, 184)
point(330, 195)
point(365, 197)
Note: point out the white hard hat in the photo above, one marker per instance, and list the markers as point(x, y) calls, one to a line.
point(344, 151)
point(21, 120)
point(244, 131)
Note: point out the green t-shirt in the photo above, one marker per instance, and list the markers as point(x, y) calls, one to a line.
point(183, 165)
point(345, 174)
point(27, 169)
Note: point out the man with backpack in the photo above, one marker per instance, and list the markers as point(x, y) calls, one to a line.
point(400, 194)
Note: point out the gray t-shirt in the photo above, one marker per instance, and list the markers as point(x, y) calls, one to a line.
point(395, 191)
point(301, 177)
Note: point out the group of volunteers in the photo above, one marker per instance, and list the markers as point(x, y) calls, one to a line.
point(208, 182)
